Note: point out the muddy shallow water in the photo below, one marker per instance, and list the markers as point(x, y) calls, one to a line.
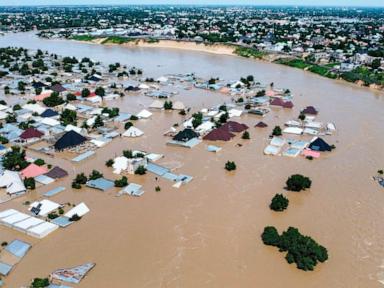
point(207, 233)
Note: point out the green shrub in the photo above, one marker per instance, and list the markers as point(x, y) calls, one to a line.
point(109, 163)
point(168, 105)
point(81, 178)
point(76, 185)
point(298, 182)
point(74, 217)
point(52, 215)
point(15, 159)
point(301, 249)
point(270, 236)
point(30, 183)
point(230, 166)
point(279, 203)
point(40, 283)
point(246, 135)
point(3, 140)
point(39, 162)
point(122, 182)
point(95, 175)
point(128, 125)
point(141, 170)
point(277, 131)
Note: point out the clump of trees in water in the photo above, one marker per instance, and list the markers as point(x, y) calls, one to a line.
point(168, 105)
point(277, 131)
point(246, 135)
point(40, 283)
point(15, 159)
point(141, 170)
point(298, 183)
point(79, 180)
point(230, 166)
point(122, 182)
point(302, 250)
point(279, 203)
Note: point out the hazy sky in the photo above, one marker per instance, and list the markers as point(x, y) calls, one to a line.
point(201, 2)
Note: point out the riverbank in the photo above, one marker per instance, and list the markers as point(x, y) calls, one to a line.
point(219, 49)
point(233, 50)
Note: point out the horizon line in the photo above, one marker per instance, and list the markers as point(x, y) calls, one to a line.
point(196, 5)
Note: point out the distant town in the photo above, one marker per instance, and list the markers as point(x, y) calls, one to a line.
point(344, 43)
point(178, 146)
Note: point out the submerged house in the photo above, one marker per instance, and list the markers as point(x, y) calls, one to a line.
point(219, 134)
point(56, 173)
point(310, 110)
point(132, 189)
point(31, 134)
point(68, 140)
point(133, 132)
point(186, 138)
point(49, 113)
point(261, 125)
point(33, 170)
point(232, 126)
point(185, 135)
point(128, 165)
point(11, 181)
point(320, 145)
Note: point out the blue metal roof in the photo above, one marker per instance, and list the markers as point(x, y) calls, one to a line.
point(5, 269)
point(62, 221)
point(157, 169)
point(18, 248)
point(54, 191)
point(101, 184)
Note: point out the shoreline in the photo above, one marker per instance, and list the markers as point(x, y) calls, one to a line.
point(215, 48)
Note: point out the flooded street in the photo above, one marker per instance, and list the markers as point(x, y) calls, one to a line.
point(207, 233)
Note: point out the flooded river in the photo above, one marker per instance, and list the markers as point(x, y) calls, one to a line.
point(207, 233)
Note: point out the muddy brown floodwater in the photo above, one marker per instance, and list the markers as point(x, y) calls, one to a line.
point(207, 233)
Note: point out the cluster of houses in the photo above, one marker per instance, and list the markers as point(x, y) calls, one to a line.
point(293, 142)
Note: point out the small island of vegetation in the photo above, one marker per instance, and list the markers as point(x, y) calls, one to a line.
point(301, 250)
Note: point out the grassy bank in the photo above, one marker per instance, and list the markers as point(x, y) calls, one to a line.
point(249, 52)
point(365, 75)
point(324, 71)
point(83, 37)
point(117, 40)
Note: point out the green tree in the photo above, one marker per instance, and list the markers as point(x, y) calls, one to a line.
point(277, 131)
point(270, 236)
point(98, 122)
point(40, 283)
point(95, 175)
point(141, 170)
point(279, 203)
point(15, 159)
point(109, 163)
point(128, 125)
point(246, 135)
point(39, 162)
point(53, 100)
point(68, 117)
point(298, 183)
point(85, 93)
point(168, 105)
point(230, 166)
point(100, 91)
point(197, 119)
point(81, 178)
point(30, 183)
point(122, 182)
